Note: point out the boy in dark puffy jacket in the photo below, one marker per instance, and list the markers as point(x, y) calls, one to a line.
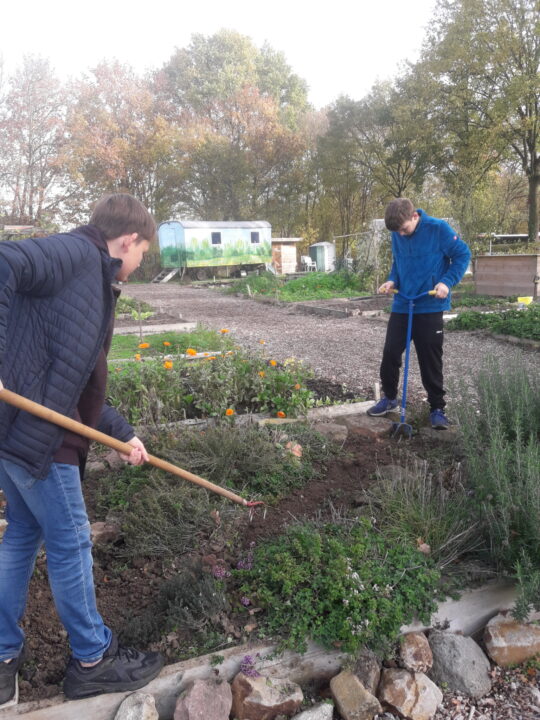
point(427, 255)
point(57, 299)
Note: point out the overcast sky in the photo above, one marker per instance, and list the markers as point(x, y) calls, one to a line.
point(337, 46)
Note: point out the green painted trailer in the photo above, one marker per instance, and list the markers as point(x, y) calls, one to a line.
point(220, 248)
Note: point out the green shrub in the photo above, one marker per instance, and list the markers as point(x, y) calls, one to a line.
point(501, 433)
point(340, 584)
point(523, 323)
point(148, 392)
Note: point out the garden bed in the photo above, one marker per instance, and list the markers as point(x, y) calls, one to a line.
point(128, 587)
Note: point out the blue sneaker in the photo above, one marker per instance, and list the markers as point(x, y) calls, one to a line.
point(438, 419)
point(382, 407)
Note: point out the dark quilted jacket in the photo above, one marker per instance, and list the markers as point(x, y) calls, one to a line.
point(56, 301)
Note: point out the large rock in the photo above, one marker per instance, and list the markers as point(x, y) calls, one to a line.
point(509, 642)
point(398, 690)
point(321, 711)
point(368, 670)
point(366, 426)
point(104, 532)
point(460, 663)
point(352, 699)
point(415, 652)
point(139, 706)
point(259, 698)
point(333, 431)
point(204, 700)
point(412, 695)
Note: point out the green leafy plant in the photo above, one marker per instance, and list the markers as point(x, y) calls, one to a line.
point(158, 391)
point(524, 323)
point(343, 585)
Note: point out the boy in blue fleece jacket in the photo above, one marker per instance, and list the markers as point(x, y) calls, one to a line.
point(427, 255)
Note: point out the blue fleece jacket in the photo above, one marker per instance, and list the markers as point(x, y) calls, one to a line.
point(434, 253)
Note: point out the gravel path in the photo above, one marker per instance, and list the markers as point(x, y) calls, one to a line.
point(345, 350)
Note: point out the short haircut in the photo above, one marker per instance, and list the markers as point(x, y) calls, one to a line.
point(398, 212)
point(122, 214)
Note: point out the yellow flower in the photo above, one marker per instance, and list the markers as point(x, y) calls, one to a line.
point(297, 386)
point(167, 343)
point(281, 414)
point(212, 357)
point(223, 331)
point(262, 342)
point(206, 354)
point(168, 365)
point(262, 373)
point(138, 356)
point(273, 363)
point(191, 351)
point(229, 412)
point(144, 345)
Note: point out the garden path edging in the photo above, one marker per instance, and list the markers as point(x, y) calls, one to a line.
point(468, 614)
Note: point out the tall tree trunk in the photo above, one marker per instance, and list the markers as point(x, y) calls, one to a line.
point(534, 184)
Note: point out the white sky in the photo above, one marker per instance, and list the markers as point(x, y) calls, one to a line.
point(337, 46)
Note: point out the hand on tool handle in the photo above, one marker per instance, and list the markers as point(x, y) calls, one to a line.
point(138, 455)
point(439, 291)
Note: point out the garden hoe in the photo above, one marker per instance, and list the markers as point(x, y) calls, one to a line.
point(401, 428)
point(58, 419)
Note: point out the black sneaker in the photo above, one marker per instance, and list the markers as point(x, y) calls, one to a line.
point(120, 669)
point(8, 680)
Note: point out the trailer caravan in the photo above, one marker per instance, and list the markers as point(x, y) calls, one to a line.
point(214, 248)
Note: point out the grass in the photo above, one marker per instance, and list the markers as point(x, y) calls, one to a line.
point(312, 286)
point(203, 340)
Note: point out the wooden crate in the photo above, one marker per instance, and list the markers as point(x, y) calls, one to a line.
point(507, 275)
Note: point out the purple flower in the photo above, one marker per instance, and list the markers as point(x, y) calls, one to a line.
point(245, 601)
point(247, 666)
point(219, 572)
point(247, 563)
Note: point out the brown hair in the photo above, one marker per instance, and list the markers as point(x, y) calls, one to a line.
point(122, 214)
point(397, 212)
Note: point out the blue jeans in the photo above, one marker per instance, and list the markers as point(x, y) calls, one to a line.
point(49, 511)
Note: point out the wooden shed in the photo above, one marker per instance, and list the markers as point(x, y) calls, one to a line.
point(284, 255)
point(507, 275)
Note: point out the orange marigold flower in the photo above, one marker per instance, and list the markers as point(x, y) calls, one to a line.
point(229, 412)
point(191, 351)
point(167, 343)
point(144, 345)
point(273, 363)
point(138, 356)
point(212, 357)
point(262, 373)
point(168, 365)
point(297, 386)
point(281, 414)
point(262, 342)
point(223, 331)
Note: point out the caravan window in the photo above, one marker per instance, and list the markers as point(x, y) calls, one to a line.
point(216, 238)
point(254, 237)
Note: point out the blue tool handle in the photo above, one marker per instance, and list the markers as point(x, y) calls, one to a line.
point(408, 346)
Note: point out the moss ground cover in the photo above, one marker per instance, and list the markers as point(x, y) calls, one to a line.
point(312, 286)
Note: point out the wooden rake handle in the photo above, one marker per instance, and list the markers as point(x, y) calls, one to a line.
point(57, 418)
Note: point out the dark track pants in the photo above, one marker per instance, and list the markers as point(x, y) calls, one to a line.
point(427, 335)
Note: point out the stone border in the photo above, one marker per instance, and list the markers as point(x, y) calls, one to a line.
point(467, 615)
